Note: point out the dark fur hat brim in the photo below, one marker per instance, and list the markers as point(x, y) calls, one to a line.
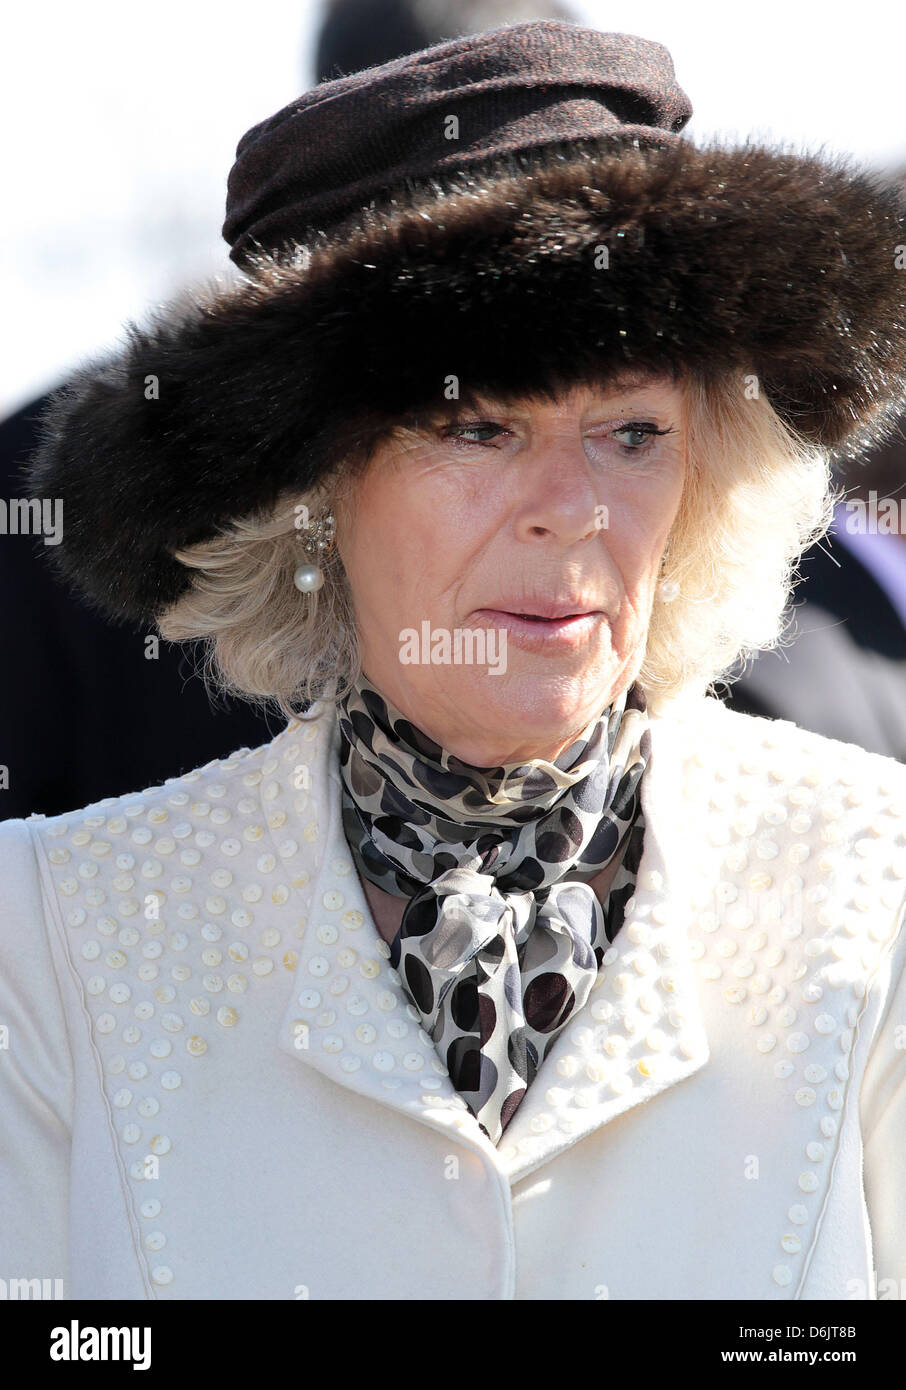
point(714, 259)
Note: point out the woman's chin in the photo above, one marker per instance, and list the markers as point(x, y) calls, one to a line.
point(523, 713)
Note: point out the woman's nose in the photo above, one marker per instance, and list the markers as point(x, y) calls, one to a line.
point(557, 493)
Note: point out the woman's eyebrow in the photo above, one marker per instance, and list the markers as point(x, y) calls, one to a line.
point(605, 392)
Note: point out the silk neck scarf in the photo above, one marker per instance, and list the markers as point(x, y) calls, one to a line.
point(502, 938)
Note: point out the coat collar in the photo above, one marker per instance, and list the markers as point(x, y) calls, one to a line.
point(640, 1031)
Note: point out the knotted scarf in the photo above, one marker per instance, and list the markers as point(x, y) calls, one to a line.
point(502, 938)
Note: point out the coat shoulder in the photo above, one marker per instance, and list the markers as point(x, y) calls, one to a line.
point(207, 795)
point(749, 745)
point(244, 819)
point(805, 808)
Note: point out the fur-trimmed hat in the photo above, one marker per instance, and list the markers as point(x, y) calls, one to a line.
point(566, 231)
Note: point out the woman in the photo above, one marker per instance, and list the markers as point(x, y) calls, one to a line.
point(505, 449)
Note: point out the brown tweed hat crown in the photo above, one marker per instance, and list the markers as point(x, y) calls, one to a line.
point(517, 209)
point(346, 142)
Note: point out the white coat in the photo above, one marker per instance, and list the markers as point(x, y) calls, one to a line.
point(213, 1085)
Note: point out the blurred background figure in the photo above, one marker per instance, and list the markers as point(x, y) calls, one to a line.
point(358, 34)
point(844, 673)
point(77, 682)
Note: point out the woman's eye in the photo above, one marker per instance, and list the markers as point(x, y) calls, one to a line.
point(640, 432)
point(643, 430)
point(457, 432)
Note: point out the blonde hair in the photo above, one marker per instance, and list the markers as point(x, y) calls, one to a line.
point(756, 495)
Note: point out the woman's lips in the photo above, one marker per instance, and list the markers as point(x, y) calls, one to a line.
point(539, 634)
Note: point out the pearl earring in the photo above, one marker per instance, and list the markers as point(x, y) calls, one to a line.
point(309, 578)
point(667, 590)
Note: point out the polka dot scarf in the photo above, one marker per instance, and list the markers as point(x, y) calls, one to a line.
point(502, 937)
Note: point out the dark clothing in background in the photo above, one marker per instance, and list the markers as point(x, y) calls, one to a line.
point(73, 684)
point(845, 675)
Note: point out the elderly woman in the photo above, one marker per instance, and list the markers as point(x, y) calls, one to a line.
point(516, 965)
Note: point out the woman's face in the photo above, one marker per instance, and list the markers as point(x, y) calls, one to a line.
point(533, 509)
